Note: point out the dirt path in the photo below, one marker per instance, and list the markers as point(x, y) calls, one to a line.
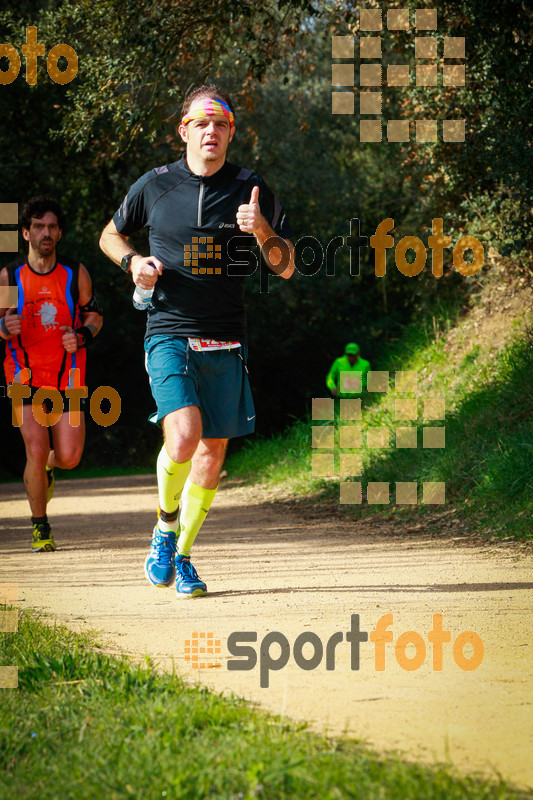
point(270, 569)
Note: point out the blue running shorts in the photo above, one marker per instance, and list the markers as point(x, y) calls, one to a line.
point(216, 381)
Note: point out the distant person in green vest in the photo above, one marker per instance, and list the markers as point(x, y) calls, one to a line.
point(347, 376)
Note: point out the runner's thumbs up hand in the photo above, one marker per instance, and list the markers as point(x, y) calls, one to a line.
point(69, 339)
point(249, 217)
point(12, 322)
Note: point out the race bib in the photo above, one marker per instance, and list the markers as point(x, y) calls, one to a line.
point(211, 344)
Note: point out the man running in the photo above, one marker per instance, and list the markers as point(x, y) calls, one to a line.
point(347, 376)
point(56, 317)
point(196, 337)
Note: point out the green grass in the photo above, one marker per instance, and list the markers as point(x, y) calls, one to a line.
point(487, 462)
point(83, 724)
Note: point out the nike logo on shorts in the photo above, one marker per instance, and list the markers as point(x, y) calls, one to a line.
point(249, 418)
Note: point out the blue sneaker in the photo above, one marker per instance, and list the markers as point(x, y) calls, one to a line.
point(159, 565)
point(188, 584)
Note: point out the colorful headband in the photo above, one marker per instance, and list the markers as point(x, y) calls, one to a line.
point(210, 107)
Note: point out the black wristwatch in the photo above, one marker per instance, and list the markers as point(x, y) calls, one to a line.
point(125, 263)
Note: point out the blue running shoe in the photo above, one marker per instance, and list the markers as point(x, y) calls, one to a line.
point(188, 584)
point(159, 565)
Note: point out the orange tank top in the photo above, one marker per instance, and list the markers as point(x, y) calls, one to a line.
point(47, 302)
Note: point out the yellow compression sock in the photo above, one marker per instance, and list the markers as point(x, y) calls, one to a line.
point(171, 478)
point(195, 503)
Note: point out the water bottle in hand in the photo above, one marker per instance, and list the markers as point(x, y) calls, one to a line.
point(142, 297)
